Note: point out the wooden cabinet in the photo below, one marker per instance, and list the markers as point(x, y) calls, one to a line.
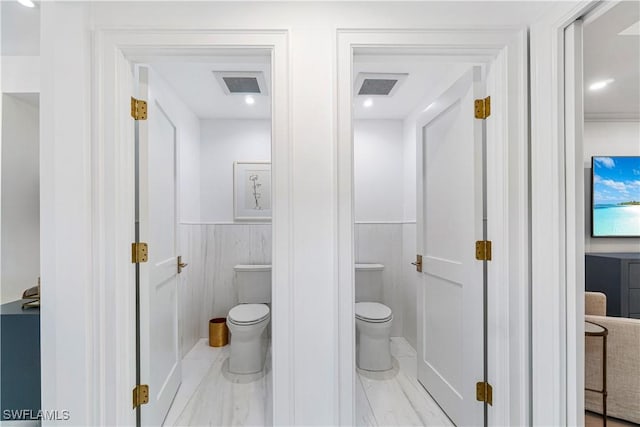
point(618, 276)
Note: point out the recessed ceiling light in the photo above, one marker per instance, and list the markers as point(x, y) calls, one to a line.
point(250, 100)
point(367, 103)
point(26, 3)
point(600, 84)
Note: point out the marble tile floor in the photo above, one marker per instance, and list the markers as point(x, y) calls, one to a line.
point(211, 396)
point(396, 398)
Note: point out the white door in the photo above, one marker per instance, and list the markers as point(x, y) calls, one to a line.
point(160, 362)
point(450, 294)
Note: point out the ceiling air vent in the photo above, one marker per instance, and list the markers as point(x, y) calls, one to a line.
point(378, 84)
point(241, 82)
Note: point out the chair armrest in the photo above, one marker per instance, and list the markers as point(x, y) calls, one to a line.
point(595, 303)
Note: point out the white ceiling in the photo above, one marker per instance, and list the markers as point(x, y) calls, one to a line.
point(194, 82)
point(32, 99)
point(606, 55)
point(424, 74)
point(610, 55)
point(20, 28)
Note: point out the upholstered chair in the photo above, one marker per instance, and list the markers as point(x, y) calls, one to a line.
point(623, 362)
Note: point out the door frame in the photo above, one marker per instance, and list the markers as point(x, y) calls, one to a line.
point(113, 301)
point(557, 239)
point(508, 313)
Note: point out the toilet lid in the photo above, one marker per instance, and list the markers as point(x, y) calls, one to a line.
point(373, 312)
point(248, 313)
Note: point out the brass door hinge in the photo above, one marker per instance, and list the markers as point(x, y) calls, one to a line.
point(418, 263)
point(484, 393)
point(138, 109)
point(483, 108)
point(139, 252)
point(140, 395)
point(483, 250)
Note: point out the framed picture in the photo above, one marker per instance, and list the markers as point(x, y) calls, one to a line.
point(252, 191)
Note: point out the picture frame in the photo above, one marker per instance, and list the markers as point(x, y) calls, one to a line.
point(252, 191)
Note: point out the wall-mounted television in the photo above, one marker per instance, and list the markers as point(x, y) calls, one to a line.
point(615, 196)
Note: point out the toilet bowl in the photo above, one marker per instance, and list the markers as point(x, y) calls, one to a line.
point(247, 324)
point(373, 333)
point(248, 320)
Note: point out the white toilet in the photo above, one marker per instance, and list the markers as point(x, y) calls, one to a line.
point(373, 320)
point(248, 320)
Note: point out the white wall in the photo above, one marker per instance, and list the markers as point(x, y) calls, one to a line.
point(213, 249)
point(66, 55)
point(20, 74)
point(608, 139)
point(378, 175)
point(207, 288)
point(20, 28)
point(20, 197)
point(378, 170)
point(206, 174)
point(223, 142)
point(410, 277)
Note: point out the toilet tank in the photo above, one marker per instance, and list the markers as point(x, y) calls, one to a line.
point(253, 283)
point(369, 283)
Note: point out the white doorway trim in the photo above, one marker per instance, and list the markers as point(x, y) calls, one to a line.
point(557, 238)
point(113, 308)
point(506, 49)
point(574, 194)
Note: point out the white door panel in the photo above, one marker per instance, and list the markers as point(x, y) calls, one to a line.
point(450, 297)
point(162, 218)
point(160, 362)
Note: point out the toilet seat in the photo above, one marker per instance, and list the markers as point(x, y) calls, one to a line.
point(248, 314)
point(373, 312)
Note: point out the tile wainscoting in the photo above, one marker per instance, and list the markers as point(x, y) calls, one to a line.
point(410, 280)
point(212, 250)
point(206, 285)
point(393, 244)
point(381, 243)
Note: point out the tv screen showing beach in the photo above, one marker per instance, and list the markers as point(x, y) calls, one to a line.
point(616, 196)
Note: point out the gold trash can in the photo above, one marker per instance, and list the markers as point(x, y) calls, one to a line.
point(218, 332)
